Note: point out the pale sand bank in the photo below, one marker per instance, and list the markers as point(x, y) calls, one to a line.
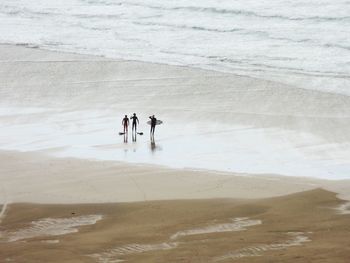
point(297, 228)
point(37, 178)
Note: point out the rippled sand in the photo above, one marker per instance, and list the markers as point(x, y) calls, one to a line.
point(296, 228)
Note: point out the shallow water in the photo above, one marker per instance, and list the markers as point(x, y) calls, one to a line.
point(231, 148)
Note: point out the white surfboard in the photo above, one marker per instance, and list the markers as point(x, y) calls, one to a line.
point(157, 123)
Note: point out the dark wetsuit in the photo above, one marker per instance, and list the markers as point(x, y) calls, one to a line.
point(135, 121)
point(153, 124)
point(125, 123)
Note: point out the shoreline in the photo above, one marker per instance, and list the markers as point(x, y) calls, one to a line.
point(224, 71)
point(264, 128)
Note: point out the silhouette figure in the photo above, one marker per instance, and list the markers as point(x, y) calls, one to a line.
point(125, 123)
point(153, 125)
point(135, 122)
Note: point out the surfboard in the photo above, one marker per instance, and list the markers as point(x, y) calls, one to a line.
point(121, 133)
point(157, 123)
point(140, 133)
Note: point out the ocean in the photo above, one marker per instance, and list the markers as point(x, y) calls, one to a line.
point(297, 125)
point(303, 43)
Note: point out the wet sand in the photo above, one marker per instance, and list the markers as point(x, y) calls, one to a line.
point(38, 178)
point(71, 105)
point(81, 214)
point(302, 227)
point(84, 210)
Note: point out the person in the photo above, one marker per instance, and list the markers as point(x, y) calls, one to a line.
point(125, 123)
point(153, 124)
point(135, 122)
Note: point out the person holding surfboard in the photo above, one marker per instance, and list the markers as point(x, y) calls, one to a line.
point(135, 122)
point(153, 124)
point(125, 123)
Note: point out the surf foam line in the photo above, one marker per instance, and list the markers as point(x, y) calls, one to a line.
point(297, 239)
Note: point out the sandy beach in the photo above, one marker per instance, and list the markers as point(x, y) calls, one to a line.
point(302, 227)
point(270, 184)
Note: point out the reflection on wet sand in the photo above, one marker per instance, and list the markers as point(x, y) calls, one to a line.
point(153, 146)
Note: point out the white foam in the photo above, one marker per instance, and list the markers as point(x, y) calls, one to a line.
point(238, 224)
point(283, 40)
point(50, 227)
point(297, 239)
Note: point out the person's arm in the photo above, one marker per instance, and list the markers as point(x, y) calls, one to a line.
point(137, 119)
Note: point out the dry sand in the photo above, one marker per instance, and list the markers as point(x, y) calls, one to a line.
point(302, 227)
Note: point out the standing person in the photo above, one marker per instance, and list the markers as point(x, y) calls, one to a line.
point(153, 124)
point(125, 123)
point(135, 122)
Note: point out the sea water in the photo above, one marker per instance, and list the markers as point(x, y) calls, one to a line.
point(305, 43)
point(302, 43)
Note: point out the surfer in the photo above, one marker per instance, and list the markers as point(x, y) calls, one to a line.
point(135, 122)
point(153, 124)
point(125, 123)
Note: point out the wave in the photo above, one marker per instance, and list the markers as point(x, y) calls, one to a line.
point(215, 10)
point(251, 66)
point(244, 31)
point(199, 28)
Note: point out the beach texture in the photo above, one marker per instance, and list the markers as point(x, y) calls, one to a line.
point(72, 106)
point(302, 227)
point(71, 189)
